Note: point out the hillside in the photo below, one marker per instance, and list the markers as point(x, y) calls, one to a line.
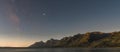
point(90, 39)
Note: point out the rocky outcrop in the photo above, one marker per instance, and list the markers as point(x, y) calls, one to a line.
point(49, 43)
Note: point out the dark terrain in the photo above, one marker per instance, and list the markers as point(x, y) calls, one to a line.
point(90, 39)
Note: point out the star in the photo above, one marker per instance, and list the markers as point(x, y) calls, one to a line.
point(43, 14)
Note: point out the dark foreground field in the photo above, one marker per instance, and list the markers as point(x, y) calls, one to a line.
point(62, 50)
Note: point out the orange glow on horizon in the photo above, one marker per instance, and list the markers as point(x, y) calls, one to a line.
point(15, 44)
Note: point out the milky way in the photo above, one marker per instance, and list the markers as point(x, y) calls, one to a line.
point(11, 12)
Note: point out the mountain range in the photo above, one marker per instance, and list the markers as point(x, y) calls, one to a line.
point(89, 39)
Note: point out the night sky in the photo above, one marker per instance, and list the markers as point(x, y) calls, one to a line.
point(23, 22)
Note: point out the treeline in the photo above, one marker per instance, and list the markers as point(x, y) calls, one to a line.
point(90, 39)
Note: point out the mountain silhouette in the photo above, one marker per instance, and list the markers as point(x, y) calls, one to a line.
point(89, 39)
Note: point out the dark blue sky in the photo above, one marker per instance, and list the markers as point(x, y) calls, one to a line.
point(34, 20)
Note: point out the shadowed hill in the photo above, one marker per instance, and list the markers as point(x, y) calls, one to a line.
point(90, 39)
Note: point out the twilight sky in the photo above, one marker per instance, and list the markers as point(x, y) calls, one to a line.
point(23, 22)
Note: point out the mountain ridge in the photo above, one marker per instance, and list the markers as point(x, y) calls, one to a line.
point(89, 39)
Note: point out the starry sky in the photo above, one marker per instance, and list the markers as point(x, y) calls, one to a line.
point(23, 22)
